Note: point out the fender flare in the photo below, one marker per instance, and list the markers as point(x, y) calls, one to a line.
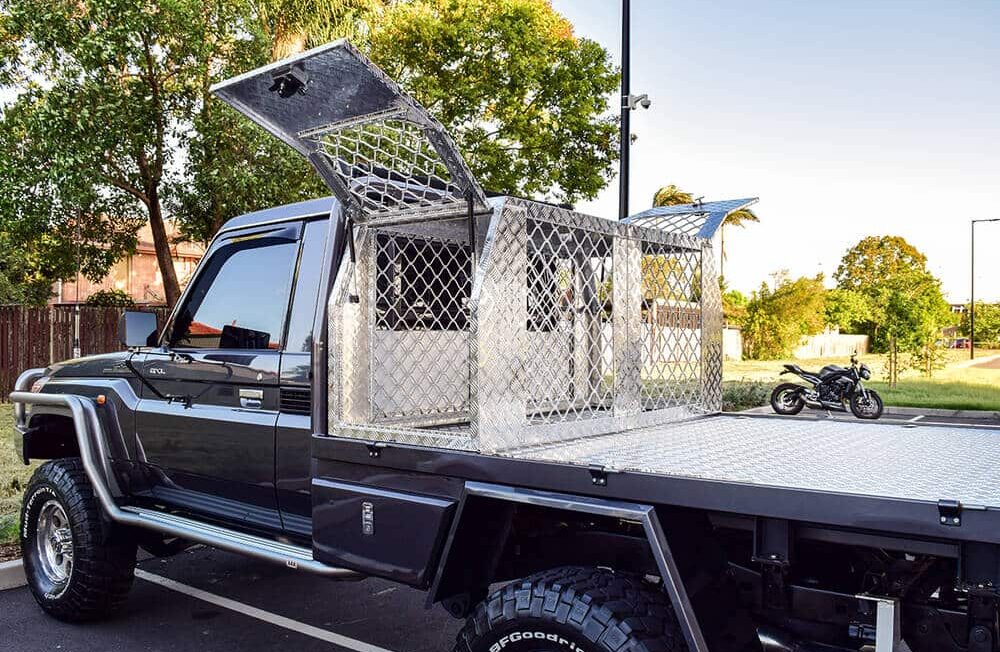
point(640, 513)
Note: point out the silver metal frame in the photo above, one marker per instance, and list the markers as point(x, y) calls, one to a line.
point(571, 326)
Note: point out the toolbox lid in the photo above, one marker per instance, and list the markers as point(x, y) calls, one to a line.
point(380, 152)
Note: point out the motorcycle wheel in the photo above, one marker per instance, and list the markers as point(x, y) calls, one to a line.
point(787, 399)
point(867, 409)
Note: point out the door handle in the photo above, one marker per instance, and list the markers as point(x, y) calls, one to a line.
point(252, 398)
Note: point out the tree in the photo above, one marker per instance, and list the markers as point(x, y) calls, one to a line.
point(846, 310)
point(906, 308)
point(987, 322)
point(672, 196)
point(777, 319)
point(114, 125)
point(120, 77)
point(875, 259)
point(524, 97)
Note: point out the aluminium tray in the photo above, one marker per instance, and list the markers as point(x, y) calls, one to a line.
point(915, 462)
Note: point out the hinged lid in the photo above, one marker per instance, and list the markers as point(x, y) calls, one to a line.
point(701, 219)
point(380, 152)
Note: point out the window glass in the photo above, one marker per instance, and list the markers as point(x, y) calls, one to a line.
point(240, 300)
point(307, 284)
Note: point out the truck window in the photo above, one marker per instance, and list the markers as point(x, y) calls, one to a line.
point(240, 299)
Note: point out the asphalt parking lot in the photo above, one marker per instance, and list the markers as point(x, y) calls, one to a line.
point(211, 601)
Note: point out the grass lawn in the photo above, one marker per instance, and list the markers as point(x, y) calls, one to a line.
point(13, 477)
point(956, 387)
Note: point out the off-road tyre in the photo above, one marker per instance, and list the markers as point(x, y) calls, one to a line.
point(102, 561)
point(786, 407)
point(574, 609)
point(873, 411)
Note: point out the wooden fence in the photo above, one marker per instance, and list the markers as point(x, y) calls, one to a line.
point(38, 336)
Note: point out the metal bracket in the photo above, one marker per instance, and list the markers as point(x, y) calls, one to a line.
point(375, 449)
point(888, 628)
point(950, 513)
point(598, 475)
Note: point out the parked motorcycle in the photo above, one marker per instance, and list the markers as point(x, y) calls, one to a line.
point(832, 388)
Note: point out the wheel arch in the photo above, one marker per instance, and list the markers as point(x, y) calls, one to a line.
point(484, 533)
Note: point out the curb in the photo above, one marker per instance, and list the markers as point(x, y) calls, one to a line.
point(938, 412)
point(12, 575)
point(909, 412)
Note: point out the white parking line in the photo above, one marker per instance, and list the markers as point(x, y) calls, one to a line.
point(916, 418)
point(260, 614)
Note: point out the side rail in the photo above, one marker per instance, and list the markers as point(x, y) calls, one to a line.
point(93, 455)
point(635, 512)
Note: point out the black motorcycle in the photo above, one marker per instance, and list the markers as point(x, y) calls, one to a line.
point(832, 388)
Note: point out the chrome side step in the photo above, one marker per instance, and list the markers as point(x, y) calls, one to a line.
point(291, 556)
point(89, 436)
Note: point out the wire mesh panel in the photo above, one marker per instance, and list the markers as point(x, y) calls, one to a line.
point(388, 165)
point(420, 344)
point(670, 328)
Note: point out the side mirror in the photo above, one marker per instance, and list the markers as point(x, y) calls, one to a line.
point(137, 329)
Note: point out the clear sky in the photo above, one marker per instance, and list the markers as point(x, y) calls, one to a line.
point(846, 118)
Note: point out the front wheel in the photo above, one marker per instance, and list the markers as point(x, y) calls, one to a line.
point(78, 566)
point(867, 408)
point(574, 610)
point(787, 399)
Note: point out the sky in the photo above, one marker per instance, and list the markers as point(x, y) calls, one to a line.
point(846, 118)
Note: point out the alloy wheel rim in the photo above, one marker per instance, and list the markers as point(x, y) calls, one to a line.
point(54, 543)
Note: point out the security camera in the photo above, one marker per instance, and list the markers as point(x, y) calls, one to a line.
point(635, 101)
point(289, 81)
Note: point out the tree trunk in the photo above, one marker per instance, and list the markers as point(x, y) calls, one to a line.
point(171, 287)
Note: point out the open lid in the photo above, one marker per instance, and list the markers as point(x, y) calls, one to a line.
point(380, 152)
point(701, 219)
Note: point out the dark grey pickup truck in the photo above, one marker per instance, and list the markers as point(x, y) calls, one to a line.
point(506, 403)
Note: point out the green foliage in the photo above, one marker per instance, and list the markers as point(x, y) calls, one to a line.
point(111, 299)
point(734, 306)
point(742, 395)
point(113, 123)
point(523, 96)
point(906, 306)
point(846, 310)
point(777, 320)
point(987, 322)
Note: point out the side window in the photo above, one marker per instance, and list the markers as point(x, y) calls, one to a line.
point(307, 283)
point(241, 298)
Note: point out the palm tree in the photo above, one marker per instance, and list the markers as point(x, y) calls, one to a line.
point(673, 196)
point(294, 25)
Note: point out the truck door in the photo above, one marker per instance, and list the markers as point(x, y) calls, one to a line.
point(293, 453)
point(209, 448)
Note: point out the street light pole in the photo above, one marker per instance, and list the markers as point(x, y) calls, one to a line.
point(972, 289)
point(626, 109)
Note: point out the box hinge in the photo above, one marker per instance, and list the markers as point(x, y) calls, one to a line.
point(950, 513)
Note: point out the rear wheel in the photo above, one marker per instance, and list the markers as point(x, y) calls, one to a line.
point(787, 399)
point(574, 610)
point(869, 407)
point(78, 566)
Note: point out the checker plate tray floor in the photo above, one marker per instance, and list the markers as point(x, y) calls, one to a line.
point(915, 462)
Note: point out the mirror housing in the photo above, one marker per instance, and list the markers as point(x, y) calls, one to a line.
point(137, 329)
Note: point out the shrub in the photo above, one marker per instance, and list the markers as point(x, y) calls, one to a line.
point(111, 299)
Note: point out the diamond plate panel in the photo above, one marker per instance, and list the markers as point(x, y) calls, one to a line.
point(830, 456)
point(711, 332)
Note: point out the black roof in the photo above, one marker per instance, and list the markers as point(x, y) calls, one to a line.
point(308, 208)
